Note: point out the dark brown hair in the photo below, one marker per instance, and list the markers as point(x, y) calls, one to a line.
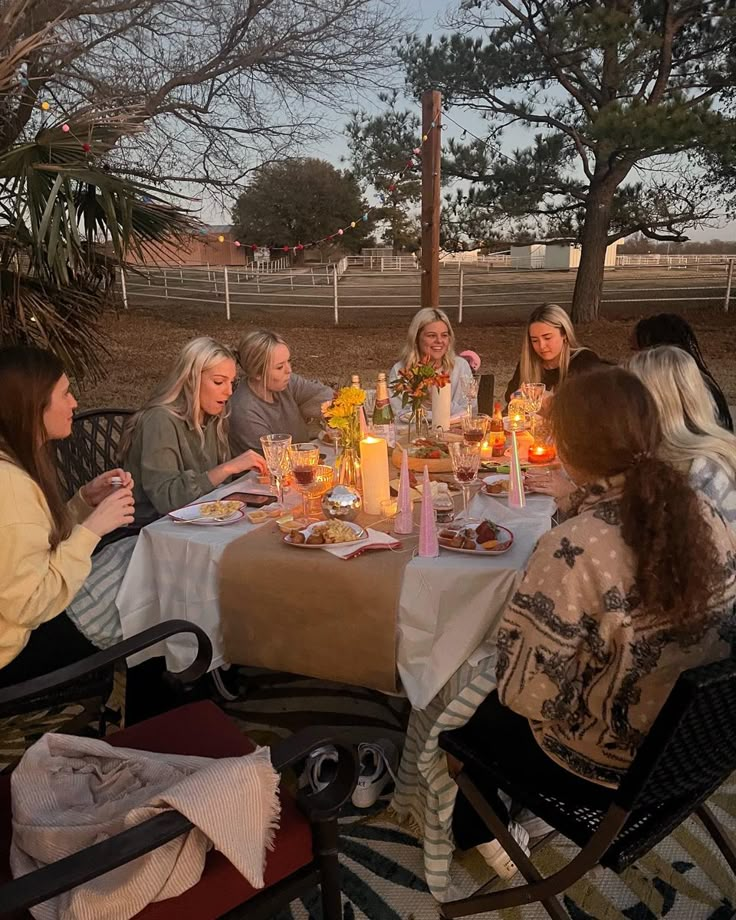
point(27, 378)
point(606, 423)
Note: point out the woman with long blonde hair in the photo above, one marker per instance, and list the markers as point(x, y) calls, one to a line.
point(550, 350)
point(176, 446)
point(271, 397)
point(693, 441)
point(431, 339)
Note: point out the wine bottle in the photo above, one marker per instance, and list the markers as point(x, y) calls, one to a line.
point(355, 381)
point(383, 414)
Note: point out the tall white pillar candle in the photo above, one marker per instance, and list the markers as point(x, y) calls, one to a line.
point(441, 407)
point(374, 468)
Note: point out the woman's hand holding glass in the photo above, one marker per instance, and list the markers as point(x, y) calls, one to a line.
point(97, 490)
point(116, 510)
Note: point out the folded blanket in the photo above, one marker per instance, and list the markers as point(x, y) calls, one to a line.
point(69, 793)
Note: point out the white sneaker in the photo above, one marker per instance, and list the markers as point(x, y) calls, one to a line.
point(319, 769)
point(379, 762)
point(498, 859)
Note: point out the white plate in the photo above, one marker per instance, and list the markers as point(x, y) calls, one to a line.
point(499, 551)
point(360, 535)
point(495, 477)
point(191, 514)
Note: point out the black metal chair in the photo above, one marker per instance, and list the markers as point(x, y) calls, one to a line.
point(91, 448)
point(486, 386)
point(688, 753)
point(305, 853)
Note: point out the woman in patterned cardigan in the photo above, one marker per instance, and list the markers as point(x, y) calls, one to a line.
point(637, 585)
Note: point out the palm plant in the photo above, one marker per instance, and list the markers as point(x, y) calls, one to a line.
point(67, 221)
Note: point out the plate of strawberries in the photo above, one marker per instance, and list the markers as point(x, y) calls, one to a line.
point(483, 539)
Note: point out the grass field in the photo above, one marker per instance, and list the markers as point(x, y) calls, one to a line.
point(144, 339)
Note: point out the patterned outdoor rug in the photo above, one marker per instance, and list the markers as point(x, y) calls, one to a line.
point(684, 878)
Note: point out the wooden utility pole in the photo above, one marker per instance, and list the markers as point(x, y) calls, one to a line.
point(431, 191)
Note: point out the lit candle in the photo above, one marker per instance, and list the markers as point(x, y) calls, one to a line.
point(517, 413)
point(374, 468)
point(541, 453)
point(486, 450)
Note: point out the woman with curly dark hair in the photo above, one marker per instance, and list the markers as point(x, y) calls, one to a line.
point(635, 586)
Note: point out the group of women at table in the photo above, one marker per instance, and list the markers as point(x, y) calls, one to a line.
point(647, 455)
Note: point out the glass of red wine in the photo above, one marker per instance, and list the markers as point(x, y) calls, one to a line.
point(304, 459)
point(465, 456)
point(475, 428)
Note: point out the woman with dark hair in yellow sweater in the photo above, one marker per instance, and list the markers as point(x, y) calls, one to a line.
point(46, 544)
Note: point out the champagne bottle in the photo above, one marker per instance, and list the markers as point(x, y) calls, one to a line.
point(383, 414)
point(355, 381)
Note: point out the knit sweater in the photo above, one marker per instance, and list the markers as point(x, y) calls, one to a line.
point(577, 653)
point(169, 461)
point(36, 582)
point(252, 417)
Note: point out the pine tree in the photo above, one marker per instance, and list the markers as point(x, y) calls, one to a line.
point(627, 98)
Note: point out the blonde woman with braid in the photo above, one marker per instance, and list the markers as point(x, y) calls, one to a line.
point(693, 440)
point(176, 447)
point(550, 350)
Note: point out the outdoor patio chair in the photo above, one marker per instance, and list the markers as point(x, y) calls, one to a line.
point(91, 448)
point(688, 753)
point(305, 853)
point(486, 386)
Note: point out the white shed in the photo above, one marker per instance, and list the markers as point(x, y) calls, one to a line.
point(567, 255)
point(531, 256)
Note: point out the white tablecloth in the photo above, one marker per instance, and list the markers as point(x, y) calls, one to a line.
point(448, 606)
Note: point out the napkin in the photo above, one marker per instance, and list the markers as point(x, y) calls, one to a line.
point(375, 538)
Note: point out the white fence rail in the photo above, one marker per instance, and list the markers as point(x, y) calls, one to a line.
point(338, 286)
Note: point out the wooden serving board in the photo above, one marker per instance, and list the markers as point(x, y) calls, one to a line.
point(417, 464)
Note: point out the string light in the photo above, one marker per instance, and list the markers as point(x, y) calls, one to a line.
point(410, 165)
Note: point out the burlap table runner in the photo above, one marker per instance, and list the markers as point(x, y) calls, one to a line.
point(308, 612)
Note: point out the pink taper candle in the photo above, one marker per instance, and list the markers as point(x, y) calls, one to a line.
point(517, 499)
point(428, 545)
point(404, 520)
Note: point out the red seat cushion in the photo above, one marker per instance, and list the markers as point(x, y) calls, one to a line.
point(204, 730)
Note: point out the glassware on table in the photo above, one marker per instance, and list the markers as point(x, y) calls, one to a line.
point(475, 428)
point(323, 482)
point(465, 456)
point(276, 453)
point(369, 405)
point(533, 393)
point(304, 460)
point(469, 387)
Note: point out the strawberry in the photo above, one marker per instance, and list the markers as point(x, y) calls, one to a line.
point(434, 455)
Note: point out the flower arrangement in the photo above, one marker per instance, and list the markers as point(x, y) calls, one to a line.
point(413, 385)
point(342, 414)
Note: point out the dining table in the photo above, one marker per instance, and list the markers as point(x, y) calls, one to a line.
point(391, 620)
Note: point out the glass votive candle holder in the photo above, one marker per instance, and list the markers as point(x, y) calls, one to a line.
point(389, 508)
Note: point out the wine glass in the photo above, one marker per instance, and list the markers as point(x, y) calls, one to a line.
point(465, 456)
point(304, 460)
point(323, 481)
point(469, 387)
point(533, 393)
point(276, 452)
point(475, 428)
point(369, 405)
